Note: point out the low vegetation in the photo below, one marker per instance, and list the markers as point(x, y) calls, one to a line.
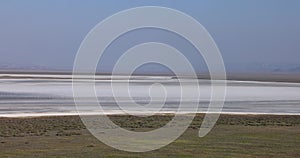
point(233, 136)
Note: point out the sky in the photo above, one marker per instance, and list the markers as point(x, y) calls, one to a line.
point(250, 34)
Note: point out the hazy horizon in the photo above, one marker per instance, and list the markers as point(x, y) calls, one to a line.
point(253, 36)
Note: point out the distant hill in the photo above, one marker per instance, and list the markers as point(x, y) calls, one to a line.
point(230, 68)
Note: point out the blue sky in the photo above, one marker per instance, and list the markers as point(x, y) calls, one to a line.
point(48, 33)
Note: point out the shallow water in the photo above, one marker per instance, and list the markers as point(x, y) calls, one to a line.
point(52, 94)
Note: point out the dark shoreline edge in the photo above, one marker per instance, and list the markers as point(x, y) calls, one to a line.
point(258, 117)
point(40, 126)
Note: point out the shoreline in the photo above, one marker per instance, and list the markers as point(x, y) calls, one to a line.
point(125, 114)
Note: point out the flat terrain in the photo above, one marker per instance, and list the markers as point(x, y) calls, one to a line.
point(233, 136)
point(36, 94)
